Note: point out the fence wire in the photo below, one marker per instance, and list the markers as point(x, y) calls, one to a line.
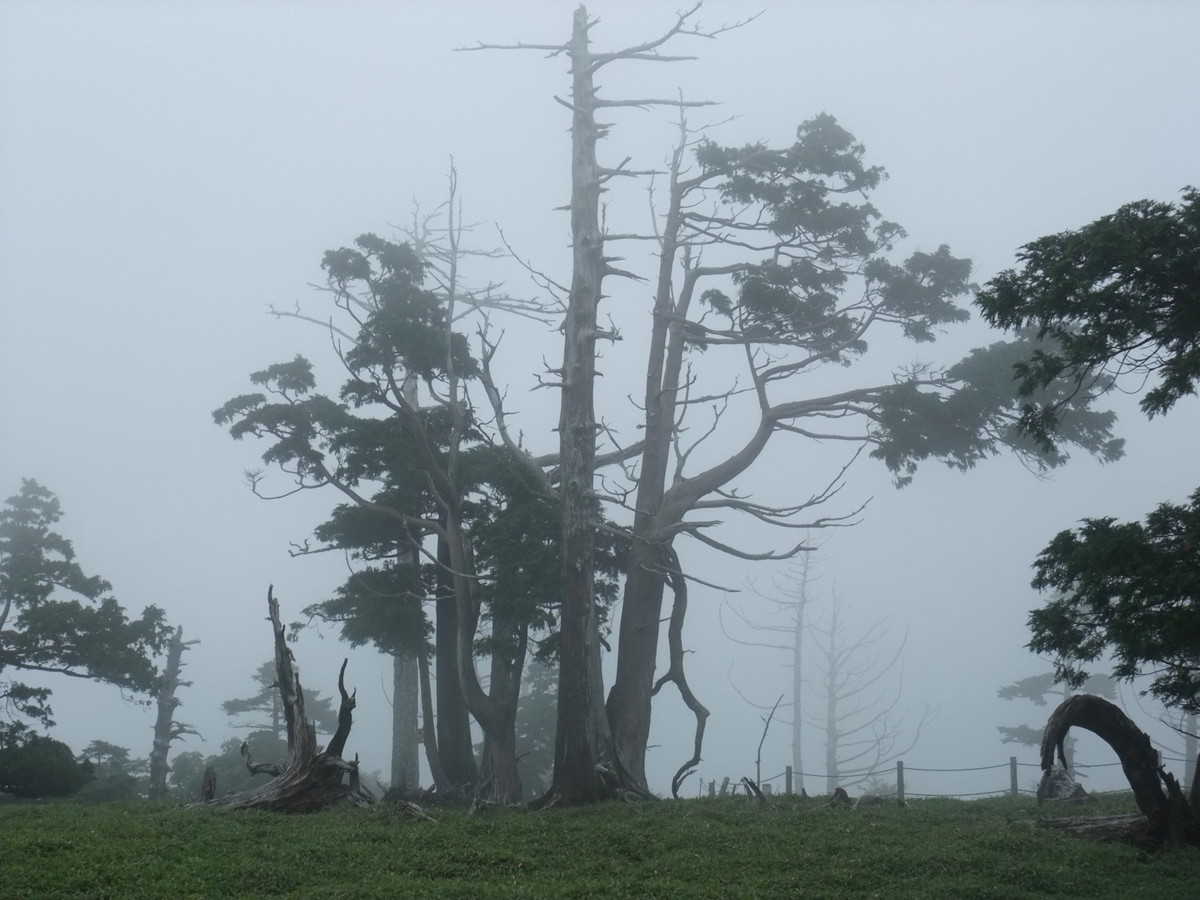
point(901, 768)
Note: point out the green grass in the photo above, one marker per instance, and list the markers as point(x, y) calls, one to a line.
point(691, 848)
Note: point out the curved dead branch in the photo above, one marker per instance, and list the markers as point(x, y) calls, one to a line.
point(675, 671)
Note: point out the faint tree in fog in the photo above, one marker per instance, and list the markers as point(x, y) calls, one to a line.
point(856, 681)
point(863, 718)
point(790, 595)
point(1037, 689)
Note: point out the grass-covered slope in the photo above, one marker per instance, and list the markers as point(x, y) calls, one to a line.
point(692, 848)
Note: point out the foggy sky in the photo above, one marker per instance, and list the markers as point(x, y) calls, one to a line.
point(169, 171)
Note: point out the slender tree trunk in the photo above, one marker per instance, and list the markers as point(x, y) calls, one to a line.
point(453, 722)
point(406, 772)
point(1191, 748)
point(406, 769)
point(630, 698)
point(833, 691)
point(437, 773)
point(798, 688)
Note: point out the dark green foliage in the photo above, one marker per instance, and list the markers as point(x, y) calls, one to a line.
point(821, 234)
point(826, 282)
point(85, 634)
point(416, 461)
point(980, 419)
point(39, 766)
point(404, 321)
point(1131, 589)
point(1119, 296)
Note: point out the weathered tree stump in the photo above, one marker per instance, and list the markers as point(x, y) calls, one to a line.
point(312, 778)
point(1166, 820)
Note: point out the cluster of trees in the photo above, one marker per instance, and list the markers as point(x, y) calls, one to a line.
point(774, 274)
point(773, 269)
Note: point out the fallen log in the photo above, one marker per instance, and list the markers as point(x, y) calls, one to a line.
point(1166, 820)
point(312, 778)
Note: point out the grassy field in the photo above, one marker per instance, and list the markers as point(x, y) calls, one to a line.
point(691, 848)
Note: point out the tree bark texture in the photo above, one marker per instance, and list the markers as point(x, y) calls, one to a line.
point(311, 779)
point(1169, 820)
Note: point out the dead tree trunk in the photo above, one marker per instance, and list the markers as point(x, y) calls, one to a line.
point(1167, 819)
point(166, 729)
point(582, 732)
point(312, 778)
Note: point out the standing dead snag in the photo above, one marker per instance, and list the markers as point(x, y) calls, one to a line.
point(312, 778)
point(166, 729)
point(1167, 817)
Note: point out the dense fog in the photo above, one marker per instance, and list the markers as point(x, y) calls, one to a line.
point(171, 173)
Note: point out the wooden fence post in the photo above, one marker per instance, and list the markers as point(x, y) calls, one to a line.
point(712, 788)
point(1012, 775)
point(724, 785)
point(900, 781)
point(787, 780)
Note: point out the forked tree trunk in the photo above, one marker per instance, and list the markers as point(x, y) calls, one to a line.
point(1167, 818)
point(312, 778)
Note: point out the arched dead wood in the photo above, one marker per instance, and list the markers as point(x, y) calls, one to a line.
point(311, 779)
point(1167, 818)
